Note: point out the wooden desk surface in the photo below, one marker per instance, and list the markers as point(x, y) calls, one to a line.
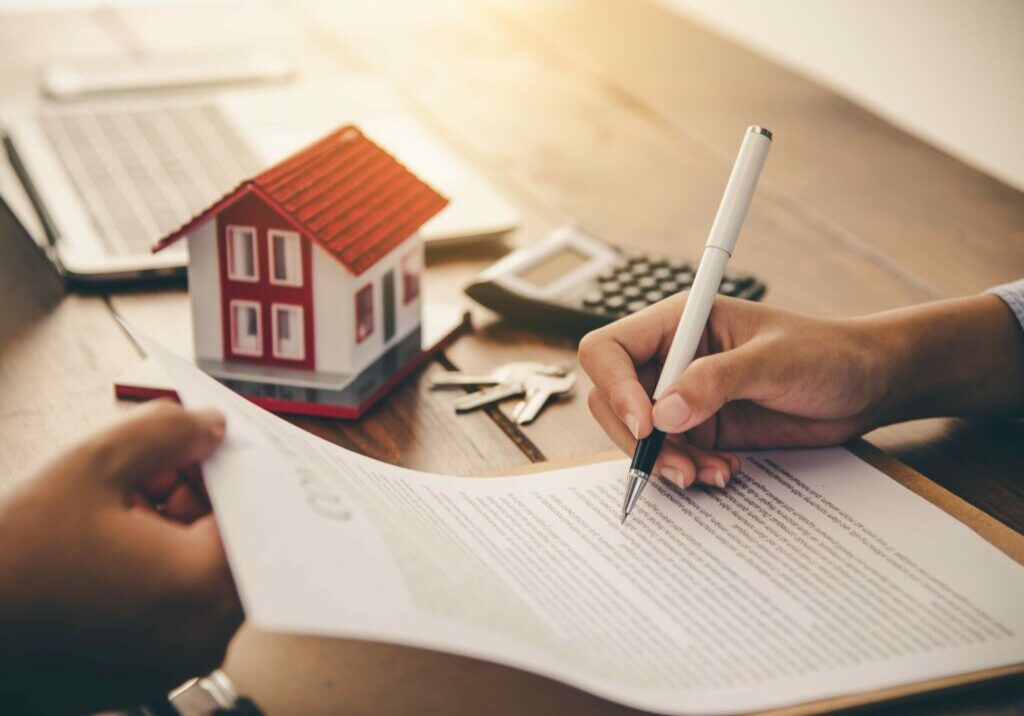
point(613, 113)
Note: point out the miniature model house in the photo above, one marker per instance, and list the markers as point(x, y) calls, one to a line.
point(310, 271)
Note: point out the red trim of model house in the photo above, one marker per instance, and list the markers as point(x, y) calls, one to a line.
point(252, 211)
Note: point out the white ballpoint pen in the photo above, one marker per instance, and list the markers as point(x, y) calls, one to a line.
point(717, 251)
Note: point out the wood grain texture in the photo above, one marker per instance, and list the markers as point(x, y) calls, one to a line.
point(862, 181)
point(57, 357)
point(981, 461)
point(576, 151)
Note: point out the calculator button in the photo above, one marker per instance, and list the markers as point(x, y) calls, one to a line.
point(662, 273)
point(741, 280)
point(610, 287)
point(608, 275)
point(615, 303)
point(669, 287)
point(685, 277)
point(753, 292)
point(634, 306)
point(630, 292)
point(593, 298)
point(678, 266)
point(640, 269)
point(653, 296)
point(659, 261)
point(647, 282)
point(728, 288)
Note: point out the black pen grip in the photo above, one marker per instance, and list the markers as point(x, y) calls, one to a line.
point(646, 453)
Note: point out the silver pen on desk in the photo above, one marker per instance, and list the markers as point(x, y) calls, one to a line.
point(717, 251)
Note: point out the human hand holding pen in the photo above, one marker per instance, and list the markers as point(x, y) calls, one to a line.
point(767, 378)
point(725, 231)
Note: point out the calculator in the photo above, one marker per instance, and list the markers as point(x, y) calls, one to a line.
point(573, 282)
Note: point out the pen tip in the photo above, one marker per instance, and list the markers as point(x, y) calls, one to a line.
point(636, 481)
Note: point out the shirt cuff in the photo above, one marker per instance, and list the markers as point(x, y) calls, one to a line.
point(1013, 295)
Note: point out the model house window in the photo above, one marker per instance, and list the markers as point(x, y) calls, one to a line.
point(243, 262)
point(289, 339)
point(246, 337)
point(412, 265)
point(285, 257)
point(364, 312)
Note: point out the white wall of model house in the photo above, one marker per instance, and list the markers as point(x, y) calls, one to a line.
point(204, 292)
point(334, 309)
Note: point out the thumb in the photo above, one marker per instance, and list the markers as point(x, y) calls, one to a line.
point(159, 436)
point(704, 387)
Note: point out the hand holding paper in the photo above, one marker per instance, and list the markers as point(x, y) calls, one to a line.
point(101, 593)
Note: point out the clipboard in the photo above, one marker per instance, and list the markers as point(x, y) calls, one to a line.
point(991, 530)
point(287, 673)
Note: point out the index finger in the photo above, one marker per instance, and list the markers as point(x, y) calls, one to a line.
point(610, 356)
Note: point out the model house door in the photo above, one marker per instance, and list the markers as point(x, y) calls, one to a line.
point(389, 305)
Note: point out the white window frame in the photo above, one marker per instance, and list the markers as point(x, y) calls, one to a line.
point(299, 326)
point(241, 350)
point(292, 239)
point(232, 264)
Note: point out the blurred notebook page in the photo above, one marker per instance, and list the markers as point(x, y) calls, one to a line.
point(813, 575)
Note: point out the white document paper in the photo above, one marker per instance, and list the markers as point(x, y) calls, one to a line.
point(813, 575)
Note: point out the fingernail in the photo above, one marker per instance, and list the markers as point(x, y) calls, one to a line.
point(671, 413)
point(711, 475)
point(633, 424)
point(673, 475)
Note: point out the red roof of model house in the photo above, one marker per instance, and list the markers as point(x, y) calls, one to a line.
point(343, 192)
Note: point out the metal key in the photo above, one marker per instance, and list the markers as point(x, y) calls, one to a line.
point(508, 381)
point(489, 395)
point(539, 390)
point(508, 373)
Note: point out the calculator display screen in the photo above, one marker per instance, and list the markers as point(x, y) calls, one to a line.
point(553, 266)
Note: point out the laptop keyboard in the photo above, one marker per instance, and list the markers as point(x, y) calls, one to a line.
point(141, 173)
